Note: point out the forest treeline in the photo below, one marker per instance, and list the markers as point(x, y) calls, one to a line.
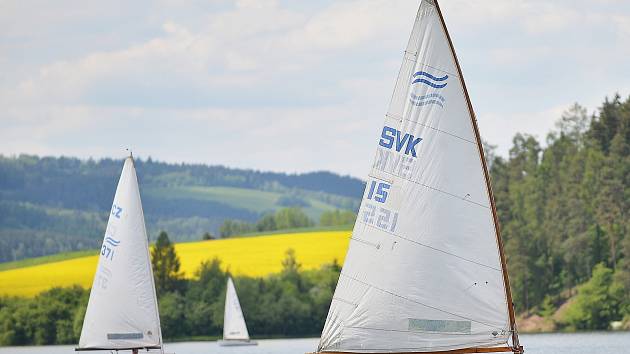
point(286, 219)
point(563, 210)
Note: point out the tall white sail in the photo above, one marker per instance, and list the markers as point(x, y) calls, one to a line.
point(424, 270)
point(122, 311)
point(234, 327)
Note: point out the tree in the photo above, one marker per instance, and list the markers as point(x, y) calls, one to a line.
point(172, 314)
point(290, 264)
point(207, 236)
point(597, 302)
point(234, 227)
point(291, 218)
point(267, 223)
point(165, 263)
point(574, 123)
point(337, 218)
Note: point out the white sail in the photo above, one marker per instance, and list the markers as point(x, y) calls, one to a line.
point(122, 311)
point(234, 327)
point(423, 271)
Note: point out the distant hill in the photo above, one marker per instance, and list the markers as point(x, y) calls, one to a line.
point(58, 204)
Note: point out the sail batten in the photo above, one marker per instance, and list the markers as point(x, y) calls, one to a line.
point(425, 270)
point(122, 311)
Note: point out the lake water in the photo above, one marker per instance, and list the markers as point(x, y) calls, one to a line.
point(557, 343)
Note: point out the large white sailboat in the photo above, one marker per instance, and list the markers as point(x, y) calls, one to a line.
point(122, 313)
point(425, 270)
point(234, 328)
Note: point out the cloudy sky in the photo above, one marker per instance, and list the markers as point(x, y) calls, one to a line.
point(284, 85)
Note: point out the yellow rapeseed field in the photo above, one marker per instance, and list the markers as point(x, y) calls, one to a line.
point(253, 256)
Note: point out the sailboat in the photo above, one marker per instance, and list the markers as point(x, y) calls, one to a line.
point(425, 270)
point(234, 328)
point(122, 312)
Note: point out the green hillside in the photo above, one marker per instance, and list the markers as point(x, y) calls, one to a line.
point(50, 205)
point(255, 201)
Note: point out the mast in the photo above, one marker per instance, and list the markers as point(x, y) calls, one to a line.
point(517, 348)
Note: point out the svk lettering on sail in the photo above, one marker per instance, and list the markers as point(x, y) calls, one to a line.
point(392, 138)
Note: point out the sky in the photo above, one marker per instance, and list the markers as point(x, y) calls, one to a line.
point(284, 85)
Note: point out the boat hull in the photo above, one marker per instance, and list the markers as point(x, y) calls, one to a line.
point(236, 342)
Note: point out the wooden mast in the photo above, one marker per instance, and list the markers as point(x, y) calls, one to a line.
point(517, 348)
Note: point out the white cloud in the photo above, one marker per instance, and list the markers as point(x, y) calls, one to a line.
point(284, 86)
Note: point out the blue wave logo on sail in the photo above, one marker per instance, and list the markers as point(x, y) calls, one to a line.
point(112, 241)
point(426, 78)
point(432, 98)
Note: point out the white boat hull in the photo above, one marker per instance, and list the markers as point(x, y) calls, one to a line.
point(235, 342)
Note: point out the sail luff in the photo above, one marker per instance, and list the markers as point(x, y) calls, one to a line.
point(149, 264)
point(473, 121)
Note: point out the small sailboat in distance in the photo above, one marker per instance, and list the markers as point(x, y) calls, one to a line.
point(122, 312)
point(234, 328)
point(425, 270)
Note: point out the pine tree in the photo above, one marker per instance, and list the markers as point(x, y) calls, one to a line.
point(165, 263)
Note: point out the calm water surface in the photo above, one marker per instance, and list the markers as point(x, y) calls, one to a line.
point(578, 343)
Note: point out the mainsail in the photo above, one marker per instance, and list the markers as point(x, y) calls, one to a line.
point(234, 327)
point(425, 270)
point(122, 312)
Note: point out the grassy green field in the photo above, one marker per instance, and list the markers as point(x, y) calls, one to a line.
point(252, 256)
point(241, 198)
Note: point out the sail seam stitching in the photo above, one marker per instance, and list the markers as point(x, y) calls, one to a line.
point(393, 116)
point(436, 68)
point(427, 246)
point(436, 189)
point(365, 242)
point(346, 302)
point(441, 131)
point(418, 302)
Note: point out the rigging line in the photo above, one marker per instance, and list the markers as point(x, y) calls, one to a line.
point(415, 61)
point(418, 302)
point(436, 189)
point(425, 245)
point(430, 127)
point(424, 332)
